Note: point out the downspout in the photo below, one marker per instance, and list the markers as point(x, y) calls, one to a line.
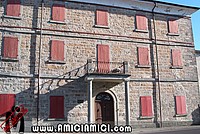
point(157, 64)
point(39, 61)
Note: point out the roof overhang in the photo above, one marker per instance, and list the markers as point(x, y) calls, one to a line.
point(145, 5)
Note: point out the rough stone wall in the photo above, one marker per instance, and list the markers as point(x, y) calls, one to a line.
point(21, 77)
point(198, 63)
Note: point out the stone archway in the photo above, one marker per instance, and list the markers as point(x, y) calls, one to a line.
point(104, 108)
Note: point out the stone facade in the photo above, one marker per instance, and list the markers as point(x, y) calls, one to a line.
point(198, 63)
point(81, 38)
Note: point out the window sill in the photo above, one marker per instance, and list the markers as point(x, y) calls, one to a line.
point(180, 115)
point(9, 59)
point(12, 17)
point(143, 66)
point(101, 26)
point(176, 67)
point(172, 34)
point(146, 117)
point(141, 31)
point(55, 62)
point(57, 22)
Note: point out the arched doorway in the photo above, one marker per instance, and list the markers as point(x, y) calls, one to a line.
point(104, 108)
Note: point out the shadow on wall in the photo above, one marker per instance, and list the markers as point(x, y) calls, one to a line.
point(71, 85)
point(75, 100)
point(196, 116)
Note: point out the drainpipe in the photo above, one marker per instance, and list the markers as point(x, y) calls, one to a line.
point(39, 61)
point(157, 64)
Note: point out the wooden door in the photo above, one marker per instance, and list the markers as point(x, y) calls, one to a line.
point(98, 112)
point(104, 109)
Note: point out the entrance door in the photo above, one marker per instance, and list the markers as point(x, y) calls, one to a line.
point(104, 108)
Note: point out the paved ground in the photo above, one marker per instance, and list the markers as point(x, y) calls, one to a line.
point(166, 130)
point(169, 130)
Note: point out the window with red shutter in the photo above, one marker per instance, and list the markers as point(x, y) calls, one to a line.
point(10, 47)
point(102, 17)
point(173, 26)
point(7, 101)
point(13, 8)
point(58, 12)
point(56, 107)
point(103, 58)
point(57, 50)
point(146, 106)
point(141, 22)
point(176, 58)
point(143, 56)
point(180, 105)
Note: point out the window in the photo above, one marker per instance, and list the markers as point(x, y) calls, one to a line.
point(146, 106)
point(141, 23)
point(103, 58)
point(180, 105)
point(10, 47)
point(173, 26)
point(7, 101)
point(56, 107)
point(143, 57)
point(13, 8)
point(176, 58)
point(58, 12)
point(57, 50)
point(101, 17)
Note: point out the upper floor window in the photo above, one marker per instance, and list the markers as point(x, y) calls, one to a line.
point(103, 58)
point(10, 47)
point(58, 12)
point(176, 58)
point(13, 8)
point(143, 57)
point(172, 26)
point(57, 50)
point(101, 18)
point(141, 23)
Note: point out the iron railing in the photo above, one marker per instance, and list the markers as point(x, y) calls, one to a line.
point(106, 67)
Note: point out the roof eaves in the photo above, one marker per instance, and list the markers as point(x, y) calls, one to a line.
point(173, 4)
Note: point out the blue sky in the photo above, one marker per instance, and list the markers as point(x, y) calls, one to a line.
point(195, 18)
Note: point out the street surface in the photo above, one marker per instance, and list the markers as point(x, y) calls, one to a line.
point(173, 130)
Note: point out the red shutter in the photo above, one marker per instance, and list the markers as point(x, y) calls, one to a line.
point(146, 106)
point(7, 101)
point(180, 105)
point(103, 58)
point(13, 8)
point(176, 58)
point(57, 50)
point(56, 107)
point(141, 22)
point(10, 49)
point(143, 56)
point(102, 17)
point(173, 26)
point(58, 12)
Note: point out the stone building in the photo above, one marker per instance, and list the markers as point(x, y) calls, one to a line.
point(198, 64)
point(99, 61)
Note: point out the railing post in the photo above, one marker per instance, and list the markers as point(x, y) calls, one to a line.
point(125, 67)
point(89, 65)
